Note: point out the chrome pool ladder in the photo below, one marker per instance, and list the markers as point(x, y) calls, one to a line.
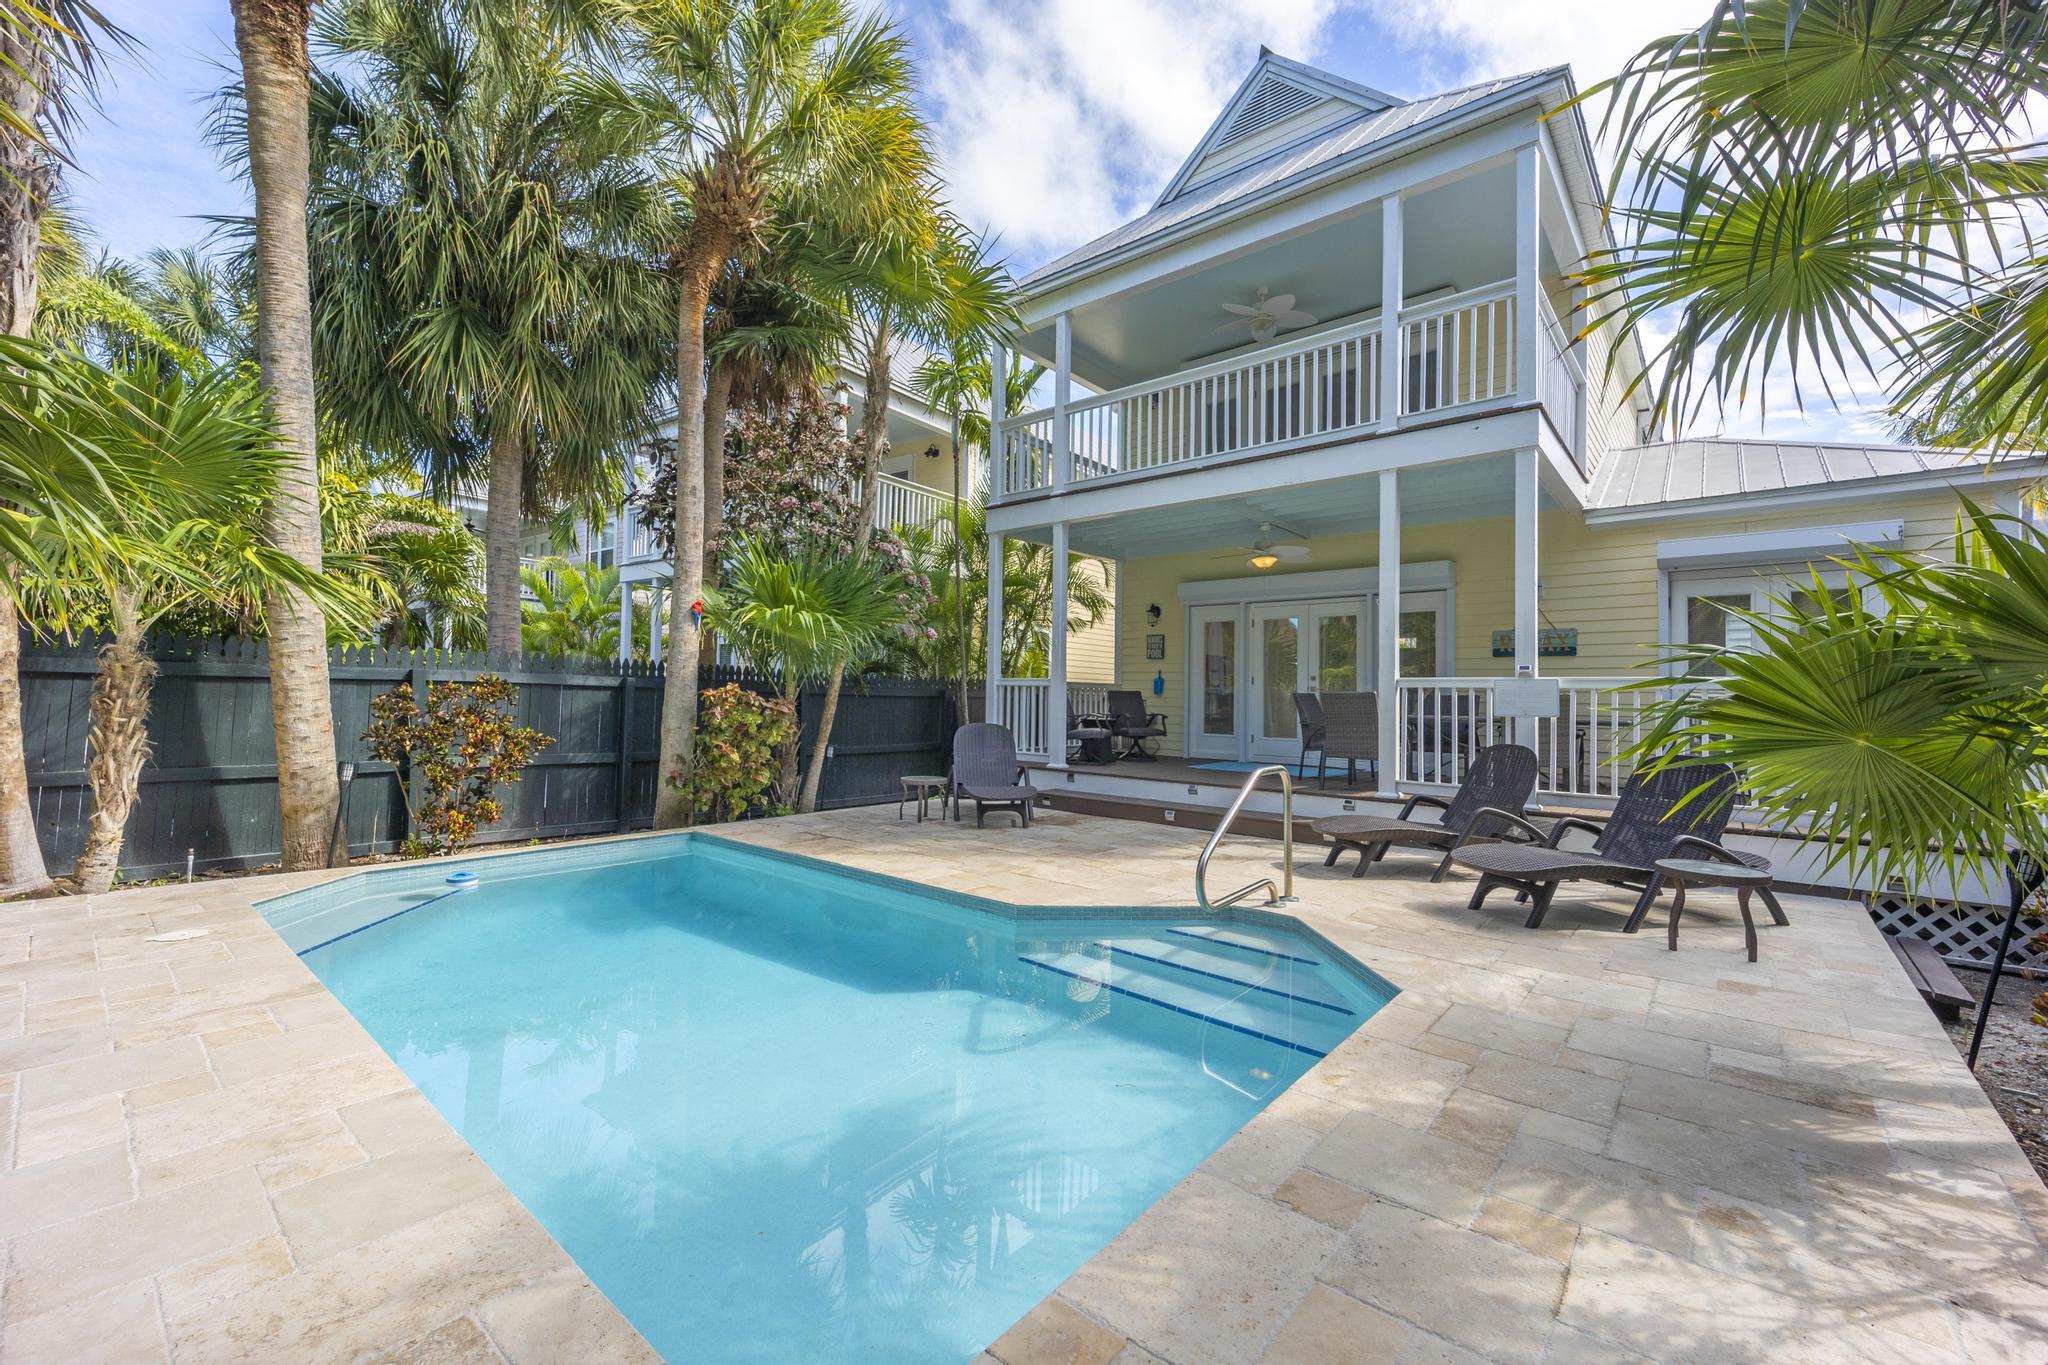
point(1275, 895)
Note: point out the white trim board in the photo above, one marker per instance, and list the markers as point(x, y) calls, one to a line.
point(1777, 547)
point(1429, 575)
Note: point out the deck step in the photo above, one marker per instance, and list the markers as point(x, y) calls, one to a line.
point(1944, 993)
point(1291, 1024)
point(1248, 941)
point(1270, 976)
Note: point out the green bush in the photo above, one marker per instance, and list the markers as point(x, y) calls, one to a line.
point(740, 739)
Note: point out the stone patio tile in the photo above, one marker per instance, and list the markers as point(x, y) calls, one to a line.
point(62, 1130)
point(73, 1260)
point(119, 1327)
point(1531, 1229)
point(1057, 1333)
point(1782, 1008)
point(283, 1155)
point(69, 1187)
point(1477, 1292)
point(1629, 1043)
point(460, 1342)
point(1587, 1137)
point(1726, 1029)
point(360, 1202)
point(285, 1051)
point(1398, 1083)
point(1575, 1094)
point(223, 1275)
point(42, 1018)
point(1480, 1121)
point(1759, 1171)
point(1973, 1250)
point(1667, 1307)
point(1785, 1085)
point(1329, 1328)
point(1599, 1192)
point(381, 1292)
point(1826, 1133)
point(109, 1072)
point(1433, 1174)
point(1321, 1198)
point(563, 1317)
point(1206, 1275)
point(31, 1050)
point(1569, 1346)
point(1263, 1153)
point(240, 1110)
point(315, 1006)
point(400, 1119)
point(1498, 1032)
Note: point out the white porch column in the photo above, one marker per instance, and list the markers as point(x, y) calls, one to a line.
point(1393, 743)
point(1528, 234)
point(995, 623)
point(1526, 575)
point(1062, 394)
point(657, 615)
point(1056, 654)
point(998, 409)
point(1390, 312)
point(625, 620)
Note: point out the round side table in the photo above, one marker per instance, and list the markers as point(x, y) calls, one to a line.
point(923, 786)
point(1684, 872)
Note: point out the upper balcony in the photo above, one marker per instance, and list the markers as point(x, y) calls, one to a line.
point(1154, 367)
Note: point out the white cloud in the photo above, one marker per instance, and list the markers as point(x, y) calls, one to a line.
point(1478, 38)
point(1060, 120)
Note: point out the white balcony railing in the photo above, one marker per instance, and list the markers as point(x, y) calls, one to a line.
point(1459, 350)
point(1020, 704)
point(1024, 453)
point(899, 502)
point(1561, 385)
point(1580, 749)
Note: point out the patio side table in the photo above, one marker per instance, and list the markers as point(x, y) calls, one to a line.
point(923, 786)
point(1742, 878)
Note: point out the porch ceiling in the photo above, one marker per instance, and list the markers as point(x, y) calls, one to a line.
point(1481, 487)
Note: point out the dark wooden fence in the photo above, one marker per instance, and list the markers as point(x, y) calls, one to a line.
point(211, 785)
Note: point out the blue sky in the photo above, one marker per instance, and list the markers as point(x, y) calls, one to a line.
point(1057, 118)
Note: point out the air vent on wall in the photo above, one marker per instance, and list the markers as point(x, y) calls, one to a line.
point(1273, 101)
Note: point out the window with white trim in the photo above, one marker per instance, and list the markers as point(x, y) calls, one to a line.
point(1701, 600)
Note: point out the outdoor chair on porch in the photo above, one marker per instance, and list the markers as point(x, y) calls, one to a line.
point(1502, 777)
point(1308, 711)
point(1351, 732)
point(1133, 727)
point(986, 772)
point(1677, 812)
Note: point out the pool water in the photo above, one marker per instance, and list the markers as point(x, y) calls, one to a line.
point(780, 1112)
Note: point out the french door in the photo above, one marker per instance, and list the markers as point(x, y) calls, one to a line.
point(1300, 647)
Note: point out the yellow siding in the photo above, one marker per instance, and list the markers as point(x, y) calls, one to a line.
point(1601, 581)
point(1091, 651)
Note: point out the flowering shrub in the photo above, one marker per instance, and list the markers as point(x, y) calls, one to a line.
point(460, 749)
point(741, 737)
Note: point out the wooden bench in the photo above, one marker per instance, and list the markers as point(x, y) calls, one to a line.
point(1931, 976)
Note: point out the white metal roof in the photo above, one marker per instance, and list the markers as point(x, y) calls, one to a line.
point(1684, 471)
point(1351, 137)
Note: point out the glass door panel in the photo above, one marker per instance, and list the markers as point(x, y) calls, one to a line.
point(1213, 684)
point(1277, 674)
point(1339, 662)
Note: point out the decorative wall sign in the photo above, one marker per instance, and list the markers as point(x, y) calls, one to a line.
point(1155, 646)
point(1552, 642)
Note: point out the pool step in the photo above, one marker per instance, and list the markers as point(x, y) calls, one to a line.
point(1286, 980)
point(1304, 1027)
point(1250, 942)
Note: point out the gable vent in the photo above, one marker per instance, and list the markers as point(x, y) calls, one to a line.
point(1273, 101)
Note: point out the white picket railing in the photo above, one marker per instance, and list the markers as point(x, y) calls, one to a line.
point(1580, 750)
point(899, 502)
point(1561, 384)
point(1282, 395)
point(1024, 453)
point(1459, 350)
point(1019, 707)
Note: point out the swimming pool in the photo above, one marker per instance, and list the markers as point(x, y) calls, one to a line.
point(782, 1111)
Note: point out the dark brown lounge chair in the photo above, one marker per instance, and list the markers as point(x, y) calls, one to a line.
point(1648, 823)
point(986, 772)
point(1501, 777)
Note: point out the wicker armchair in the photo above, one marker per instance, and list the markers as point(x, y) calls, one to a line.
point(1308, 711)
point(1351, 732)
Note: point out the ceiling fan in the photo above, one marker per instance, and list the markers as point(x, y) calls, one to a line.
point(1264, 552)
point(1269, 316)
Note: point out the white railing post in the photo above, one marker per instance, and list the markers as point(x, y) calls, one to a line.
point(1393, 745)
point(1391, 400)
point(998, 412)
point(995, 620)
point(1527, 508)
point(1062, 393)
point(1528, 236)
point(1056, 654)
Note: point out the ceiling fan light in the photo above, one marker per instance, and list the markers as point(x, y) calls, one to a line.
point(1264, 559)
point(1262, 329)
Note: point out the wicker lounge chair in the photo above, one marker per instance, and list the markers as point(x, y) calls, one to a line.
point(986, 772)
point(1308, 710)
point(1647, 824)
point(1501, 777)
point(1351, 732)
point(1134, 726)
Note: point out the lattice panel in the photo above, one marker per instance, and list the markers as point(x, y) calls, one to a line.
point(1965, 935)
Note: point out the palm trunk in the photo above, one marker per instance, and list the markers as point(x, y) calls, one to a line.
point(119, 743)
point(271, 36)
point(874, 437)
point(501, 541)
point(25, 180)
point(708, 247)
point(717, 404)
point(786, 782)
point(827, 713)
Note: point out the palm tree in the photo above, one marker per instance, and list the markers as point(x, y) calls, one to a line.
point(797, 107)
point(803, 617)
point(575, 610)
point(46, 48)
point(482, 296)
point(197, 458)
point(276, 80)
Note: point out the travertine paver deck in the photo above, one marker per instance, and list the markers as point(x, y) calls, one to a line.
point(1563, 1145)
